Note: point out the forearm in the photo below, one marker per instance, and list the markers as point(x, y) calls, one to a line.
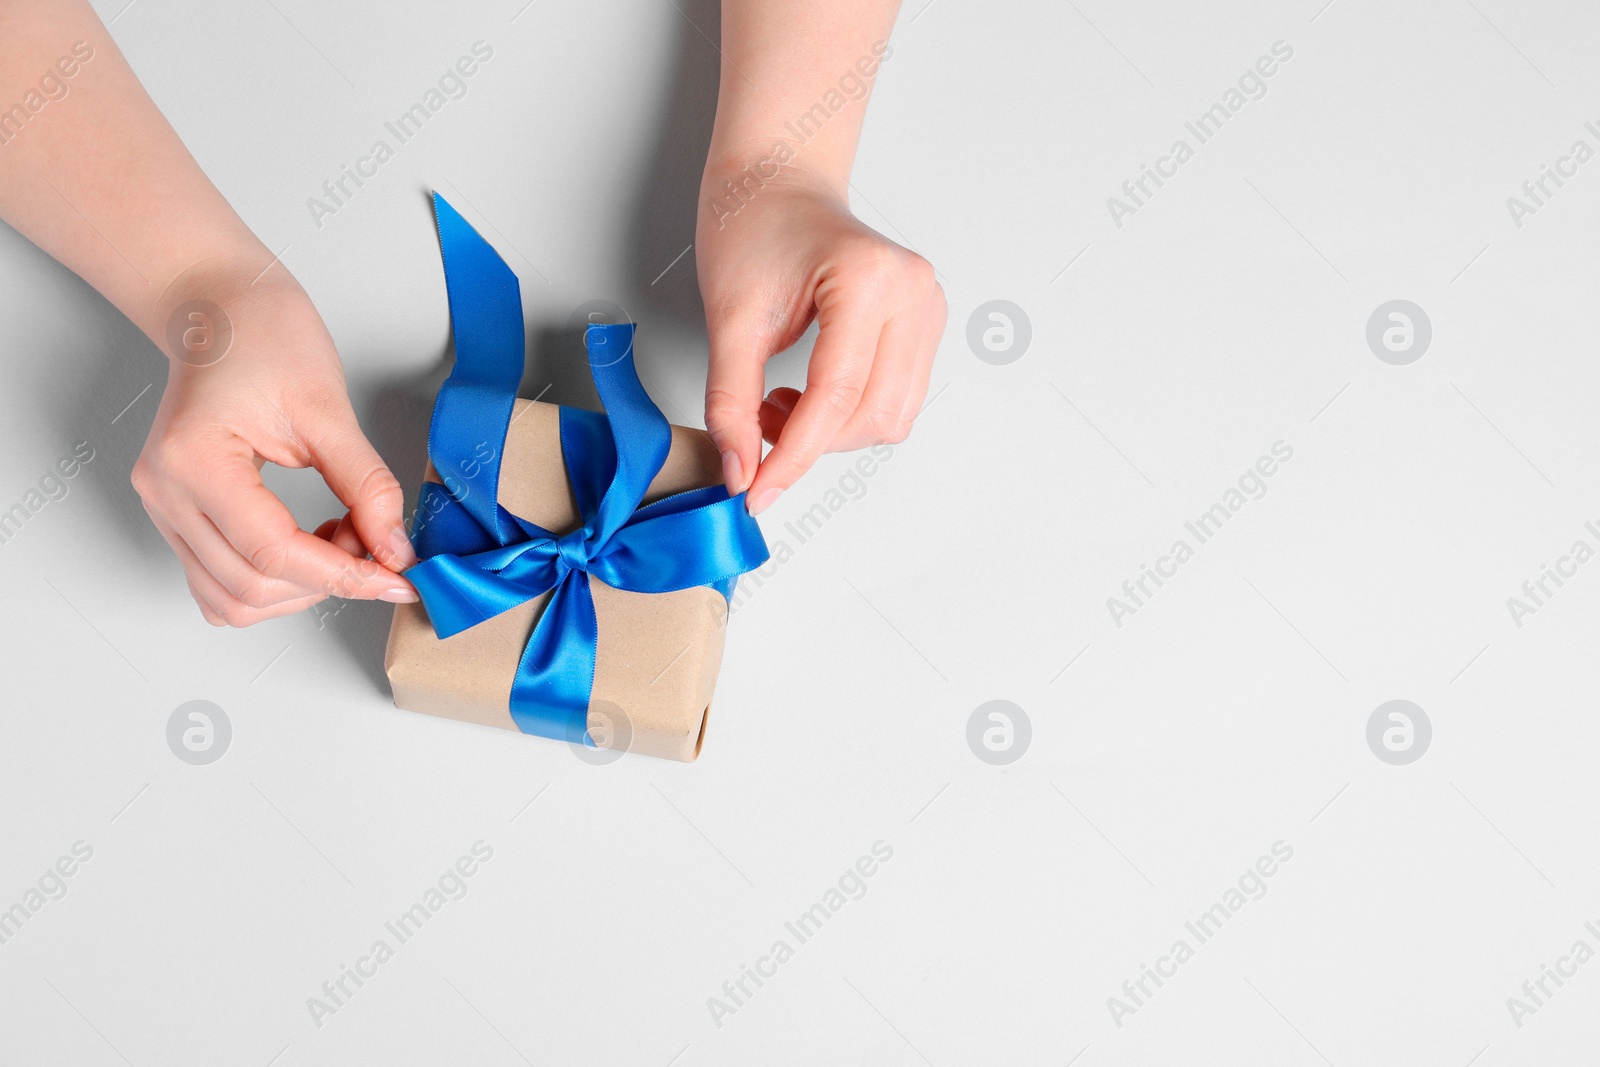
point(92, 173)
point(796, 74)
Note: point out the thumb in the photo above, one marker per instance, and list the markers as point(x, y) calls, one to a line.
point(735, 381)
point(364, 484)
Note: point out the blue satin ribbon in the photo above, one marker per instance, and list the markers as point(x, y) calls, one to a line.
point(479, 560)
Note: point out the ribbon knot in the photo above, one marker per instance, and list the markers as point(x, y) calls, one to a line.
point(479, 560)
point(572, 551)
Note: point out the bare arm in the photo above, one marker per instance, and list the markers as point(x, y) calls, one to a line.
point(92, 173)
point(778, 247)
point(96, 177)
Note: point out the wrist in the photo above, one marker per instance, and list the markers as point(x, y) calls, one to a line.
point(735, 179)
point(806, 123)
point(219, 288)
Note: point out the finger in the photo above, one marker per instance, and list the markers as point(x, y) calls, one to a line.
point(234, 612)
point(193, 571)
point(775, 411)
point(877, 420)
point(217, 605)
point(207, 612)
point(835, 382)
point(364, 484)
point(230, 569)
point(735, 380)
point(927, 350)
point(260, 529)
point(345, 536)
point(784, 399)
point(342, 534)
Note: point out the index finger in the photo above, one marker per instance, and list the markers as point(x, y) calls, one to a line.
point(835, 382)
point(260, 529)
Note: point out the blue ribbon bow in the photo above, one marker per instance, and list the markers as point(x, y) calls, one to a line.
point(478, 559)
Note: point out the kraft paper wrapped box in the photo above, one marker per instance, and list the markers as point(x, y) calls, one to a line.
point(658, 654)
point(569, 509)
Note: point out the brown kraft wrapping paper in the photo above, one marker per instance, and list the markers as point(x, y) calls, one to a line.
point(658, 655)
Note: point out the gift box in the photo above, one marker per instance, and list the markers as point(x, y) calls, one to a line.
point(576, 567)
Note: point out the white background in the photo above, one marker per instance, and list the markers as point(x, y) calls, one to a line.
point(1229, 713)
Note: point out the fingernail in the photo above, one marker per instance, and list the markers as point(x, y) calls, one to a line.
point(404, 595)
point(733, 472)
point(404, 555)
point(762, 500)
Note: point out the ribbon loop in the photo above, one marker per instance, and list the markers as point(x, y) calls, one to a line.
point(479, 560)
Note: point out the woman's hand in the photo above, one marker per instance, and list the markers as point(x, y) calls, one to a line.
point(277, 394)
point(104, 185)
point(790, 253)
